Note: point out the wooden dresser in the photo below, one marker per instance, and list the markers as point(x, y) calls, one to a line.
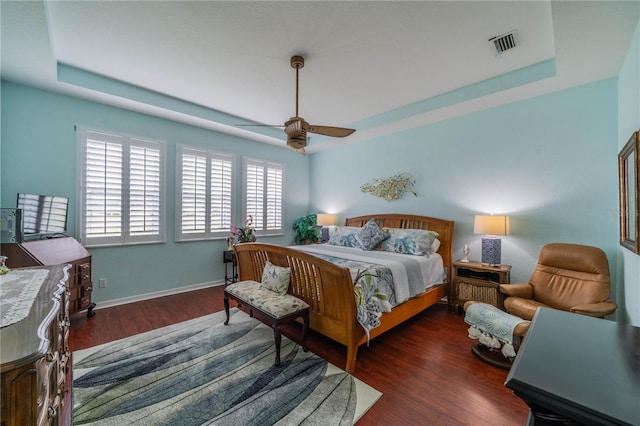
point(55, 251)
point(34, 351)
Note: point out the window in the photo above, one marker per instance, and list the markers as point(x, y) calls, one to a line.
point(264, 195)
point(205, 199)
point(122, 189)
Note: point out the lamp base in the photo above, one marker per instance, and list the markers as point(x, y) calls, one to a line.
point(324, 235)
point(491, 251)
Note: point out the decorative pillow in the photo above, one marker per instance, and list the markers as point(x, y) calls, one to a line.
point(344, 236)
point(435, 246)
point(276, 278)
point(417, 242)
point(370, 235)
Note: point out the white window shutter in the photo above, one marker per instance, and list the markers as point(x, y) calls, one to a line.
point(221, 194)
point(274, 199)
point(103, 189)
point(264, 195)
point(122, 181)
point(194, 193)
point(254, 194)
point(205, 203)
point(145, 190)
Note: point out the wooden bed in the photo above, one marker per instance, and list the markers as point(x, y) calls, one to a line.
point(328, 288)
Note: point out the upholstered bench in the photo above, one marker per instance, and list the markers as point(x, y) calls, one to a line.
point(494, 329)
point(273, 309)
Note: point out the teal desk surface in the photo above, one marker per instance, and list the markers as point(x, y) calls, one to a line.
point(580, 368)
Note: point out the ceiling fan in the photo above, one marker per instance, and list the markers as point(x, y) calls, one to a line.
point(297, 128)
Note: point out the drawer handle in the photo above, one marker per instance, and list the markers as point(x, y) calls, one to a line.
point(85, 266)
point(86, 277)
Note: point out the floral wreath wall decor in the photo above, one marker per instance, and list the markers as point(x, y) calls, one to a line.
point(390, 188)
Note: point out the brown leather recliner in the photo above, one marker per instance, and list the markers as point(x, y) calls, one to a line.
point(568, 277)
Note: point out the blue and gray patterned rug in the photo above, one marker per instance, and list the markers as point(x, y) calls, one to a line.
point(203, 372)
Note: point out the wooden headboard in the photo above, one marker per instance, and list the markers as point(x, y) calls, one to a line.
point(443, 227)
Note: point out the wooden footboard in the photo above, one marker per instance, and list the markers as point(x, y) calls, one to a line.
point(328, 288)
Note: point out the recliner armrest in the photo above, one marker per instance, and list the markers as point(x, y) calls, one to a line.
point(599, 310)
point(523, 290)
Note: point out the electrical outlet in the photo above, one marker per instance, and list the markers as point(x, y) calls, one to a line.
point(102, 282)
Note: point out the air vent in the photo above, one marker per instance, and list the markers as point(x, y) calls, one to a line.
point(502, 43)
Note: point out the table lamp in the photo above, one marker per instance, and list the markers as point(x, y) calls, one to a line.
point(324, 220)
point(491, 226)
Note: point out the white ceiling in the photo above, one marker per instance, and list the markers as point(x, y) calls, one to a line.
point(224, 63)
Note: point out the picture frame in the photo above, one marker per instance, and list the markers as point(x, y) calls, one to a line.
point(629, 181)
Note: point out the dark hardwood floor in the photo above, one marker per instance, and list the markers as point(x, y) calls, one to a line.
point(424, 367)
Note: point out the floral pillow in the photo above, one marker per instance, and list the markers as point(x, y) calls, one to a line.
point(417, 242)
point(370, 235)
point(344, 236)
point(276, 278)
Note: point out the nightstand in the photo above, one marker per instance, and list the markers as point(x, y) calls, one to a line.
point(477, 281)
point(229, 256)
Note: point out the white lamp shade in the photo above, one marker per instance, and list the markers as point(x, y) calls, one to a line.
point(491, 225)
point(323, 219)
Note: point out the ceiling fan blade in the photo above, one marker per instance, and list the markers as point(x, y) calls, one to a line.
point(336, 132)
point(259, 125)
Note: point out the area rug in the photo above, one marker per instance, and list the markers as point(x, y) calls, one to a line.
point(202, 372)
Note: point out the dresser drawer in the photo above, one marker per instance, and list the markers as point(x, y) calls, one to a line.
point(84, 273)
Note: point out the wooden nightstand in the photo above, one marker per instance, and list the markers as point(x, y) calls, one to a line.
point(475, 281)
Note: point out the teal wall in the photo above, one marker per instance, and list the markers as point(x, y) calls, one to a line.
point(38, 155)
point(629, 122)
point(548, 162)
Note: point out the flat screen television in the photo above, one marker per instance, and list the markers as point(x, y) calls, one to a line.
point(43, 215)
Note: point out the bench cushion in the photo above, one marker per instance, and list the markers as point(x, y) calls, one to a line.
point(277, 305)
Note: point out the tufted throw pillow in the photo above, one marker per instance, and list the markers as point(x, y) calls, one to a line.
point(370, 235)
point(417, 242)
point(276, 278)
point(344, 236)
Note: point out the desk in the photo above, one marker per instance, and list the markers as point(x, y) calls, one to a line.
point(229, 256)
point(577, 368)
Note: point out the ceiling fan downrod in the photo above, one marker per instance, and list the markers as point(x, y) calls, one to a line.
point(297, 62)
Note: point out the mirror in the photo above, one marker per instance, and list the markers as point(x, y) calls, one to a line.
point(629, 194)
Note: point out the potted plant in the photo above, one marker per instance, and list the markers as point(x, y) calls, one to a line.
point(243, 234)
point(306, 230)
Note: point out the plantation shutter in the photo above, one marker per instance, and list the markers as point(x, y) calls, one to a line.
point(121, 189)
point(194, 193)
point(144, 189)
point(274, 199)
point(264, 195)
point(205, 204)
point(103, 188)
point(221, 193)
point(254, 195)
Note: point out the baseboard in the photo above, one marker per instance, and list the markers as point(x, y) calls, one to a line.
point(153, 295)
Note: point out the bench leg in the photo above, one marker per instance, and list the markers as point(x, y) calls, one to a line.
point(226, 309)
point(305, 328)
point(277, 337)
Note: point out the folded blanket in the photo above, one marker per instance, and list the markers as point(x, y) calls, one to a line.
point(493, 327)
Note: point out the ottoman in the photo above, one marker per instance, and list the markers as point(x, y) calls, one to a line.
point(494, 329)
